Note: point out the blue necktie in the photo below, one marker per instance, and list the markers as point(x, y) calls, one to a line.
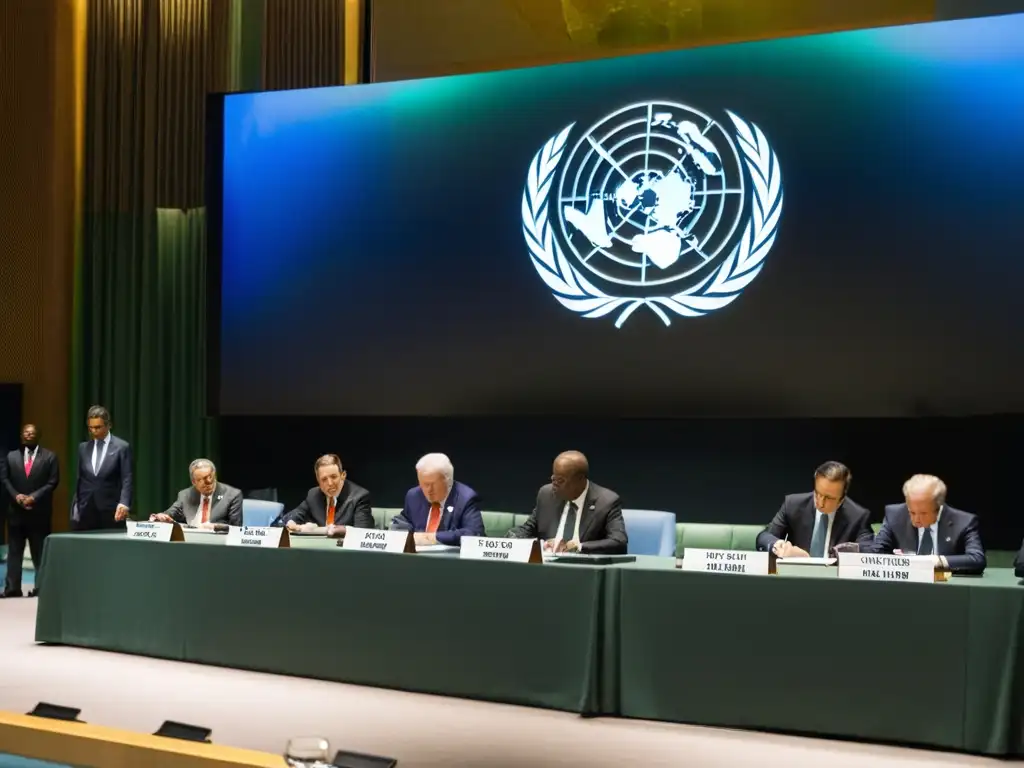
point(926, 546)
point(818, 539)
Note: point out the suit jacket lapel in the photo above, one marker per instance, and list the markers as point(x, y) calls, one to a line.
point(838, 526)
point(588, 513)
point(215, 500)
point(21, 462)
point(447, 511)
point(944, 545)
point(910, 536)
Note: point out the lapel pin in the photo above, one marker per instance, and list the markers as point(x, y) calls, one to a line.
point(949, 538)
point(451, 509)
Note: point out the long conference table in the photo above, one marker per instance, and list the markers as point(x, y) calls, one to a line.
point(936, 665)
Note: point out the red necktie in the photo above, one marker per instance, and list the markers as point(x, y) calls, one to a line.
point(330, 511)
point(28, 465)
point(434, 519)
point(206, 509)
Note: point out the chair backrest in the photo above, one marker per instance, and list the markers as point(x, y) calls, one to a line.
point(260, 513)
point(382, 516)
point(716, 536)
point(263, 494)
point(498, 524)
point(650, 532)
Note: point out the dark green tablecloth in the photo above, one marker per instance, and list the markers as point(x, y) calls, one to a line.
point(924, 664)
point(514, 633)
point(928, 664)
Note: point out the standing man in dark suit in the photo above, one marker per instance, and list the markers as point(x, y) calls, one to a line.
point(926, 525)
point(812, 524)
point(30, 475)
point(103, 493)
point(439, 510)
point(573, 514)
point(334, 504)
point(206, 502)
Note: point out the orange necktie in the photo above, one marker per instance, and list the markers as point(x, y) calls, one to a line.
point(206, 509)
point(434, 519)
point(330, 511)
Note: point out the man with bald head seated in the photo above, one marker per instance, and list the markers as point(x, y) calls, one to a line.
point(572, 514)
point(926, 525)
point(439, 510)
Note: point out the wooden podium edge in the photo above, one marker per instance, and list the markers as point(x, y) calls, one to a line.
point(96, 746)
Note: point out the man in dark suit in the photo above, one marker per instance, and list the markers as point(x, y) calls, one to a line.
point(439, 510)
point(334, 504)
point(812, 524)
point(206, 503)
point(103, 492)
point(30, 475)
point(573, 514)
point(925, 525)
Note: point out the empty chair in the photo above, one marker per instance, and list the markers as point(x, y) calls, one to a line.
point(650, 532)
point(260, 513)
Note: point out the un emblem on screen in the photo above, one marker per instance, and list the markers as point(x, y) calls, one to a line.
point(657, 205)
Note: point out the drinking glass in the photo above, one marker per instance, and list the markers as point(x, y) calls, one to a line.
point(307, 752)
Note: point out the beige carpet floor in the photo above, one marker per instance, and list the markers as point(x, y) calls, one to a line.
point(259, 711)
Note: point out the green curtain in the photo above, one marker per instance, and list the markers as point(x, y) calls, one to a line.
point(140, 329)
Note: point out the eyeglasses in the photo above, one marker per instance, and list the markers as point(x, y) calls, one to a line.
point(824, 497)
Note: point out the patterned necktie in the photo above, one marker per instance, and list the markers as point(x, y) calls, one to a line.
point(818, 542)
point(206, 509)
point(927, 546)
point(330, 511)
point(434, 519)
point(28, 464)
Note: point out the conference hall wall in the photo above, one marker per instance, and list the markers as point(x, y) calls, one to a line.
point(709, 269)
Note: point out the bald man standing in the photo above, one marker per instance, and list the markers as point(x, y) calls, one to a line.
point(573, 514)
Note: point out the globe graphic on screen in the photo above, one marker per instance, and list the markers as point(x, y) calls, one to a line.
point(651, 194)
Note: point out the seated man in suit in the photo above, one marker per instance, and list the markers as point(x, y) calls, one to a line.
point(812, 524)
point(334, 504)
point(573, 514)
point(925, 525)
point(206, 502)
point(439, 510)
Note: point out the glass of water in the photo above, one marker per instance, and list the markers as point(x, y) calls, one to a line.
point(307, 752)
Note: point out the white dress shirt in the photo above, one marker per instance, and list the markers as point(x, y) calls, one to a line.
point(97, 461)
point(578, 501)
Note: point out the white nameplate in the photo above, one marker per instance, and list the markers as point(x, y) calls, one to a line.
point(507, 550)
point(858, 565)
point(725, 561)
point(373, 540)
point(154, 531)
point(257, 536)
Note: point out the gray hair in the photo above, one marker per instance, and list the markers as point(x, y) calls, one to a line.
point(437, 462)
point(929, 484)
point(200, 464)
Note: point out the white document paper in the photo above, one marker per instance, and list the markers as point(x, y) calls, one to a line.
point(808, 561)
point(435, 548)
